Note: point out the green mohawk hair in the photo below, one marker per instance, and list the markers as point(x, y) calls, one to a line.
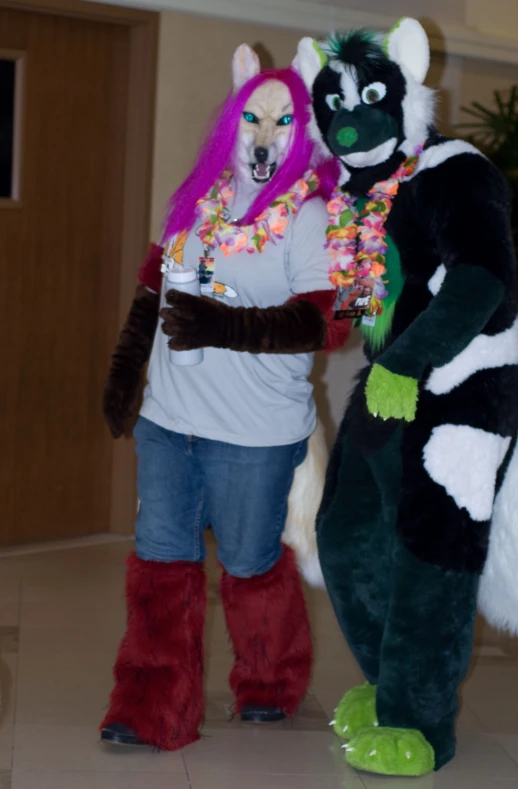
point(362, 49)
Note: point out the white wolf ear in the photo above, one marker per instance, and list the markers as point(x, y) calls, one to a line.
point(309, 60)
point(295, 64)
point(245, 65)
point(407, 45)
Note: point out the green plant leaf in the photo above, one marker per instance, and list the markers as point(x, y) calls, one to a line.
point(484, 111)
point(495, 131)
point(499, 101)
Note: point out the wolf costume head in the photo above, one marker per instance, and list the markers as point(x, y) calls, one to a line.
point(261, 133)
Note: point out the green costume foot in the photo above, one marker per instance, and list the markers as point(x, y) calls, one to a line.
point(386, 751)
point(356, 711)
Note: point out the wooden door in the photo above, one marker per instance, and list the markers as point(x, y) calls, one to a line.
point(60, 248)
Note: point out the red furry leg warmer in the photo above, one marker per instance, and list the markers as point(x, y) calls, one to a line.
point(158, 673)
point(269, 627)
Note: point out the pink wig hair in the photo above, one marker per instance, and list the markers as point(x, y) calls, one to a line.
point(218, 151)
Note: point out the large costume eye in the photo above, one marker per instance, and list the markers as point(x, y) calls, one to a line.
point(374, 93)
point(334, 101)
point(250, 117)
point(285, 120)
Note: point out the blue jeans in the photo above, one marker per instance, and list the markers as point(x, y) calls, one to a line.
point(186, 483)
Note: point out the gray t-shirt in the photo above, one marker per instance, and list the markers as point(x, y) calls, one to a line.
point(242, 398)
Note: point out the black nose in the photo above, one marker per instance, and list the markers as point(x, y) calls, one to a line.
point(261, 154)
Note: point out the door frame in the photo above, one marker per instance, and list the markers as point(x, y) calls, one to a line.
point(136, 210)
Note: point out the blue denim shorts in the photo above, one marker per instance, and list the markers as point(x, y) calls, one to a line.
point(186, 483)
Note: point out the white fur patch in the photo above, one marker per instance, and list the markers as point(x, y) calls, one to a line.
point(345, 174)
point(418, 113)
point(498, 593)
point(369, 158)
point(349, 84)
point(303, 504)
point(483, 353)
point(464, 461)
point(437, 154)
point(312, 571)
point(245, 65)
point(435, 282)
point(407, 45)
point(322, 152)
point(309, 61)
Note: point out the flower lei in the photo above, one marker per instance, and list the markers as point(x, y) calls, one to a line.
point(217, 231)
point(357, 242)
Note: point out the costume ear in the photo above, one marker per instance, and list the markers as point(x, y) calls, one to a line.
point(245, 65)
point(309, 60)
point(407, 45)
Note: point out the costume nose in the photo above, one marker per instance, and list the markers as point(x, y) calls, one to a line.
point(347, 136)
point(360, 129)
point(261, 155)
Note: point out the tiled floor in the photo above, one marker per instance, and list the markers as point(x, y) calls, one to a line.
point(61, 617)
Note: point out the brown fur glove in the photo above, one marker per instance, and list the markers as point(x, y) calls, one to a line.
point(131, 354)
point(200, 322)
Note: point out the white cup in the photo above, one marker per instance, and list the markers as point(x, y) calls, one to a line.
point(185, 280)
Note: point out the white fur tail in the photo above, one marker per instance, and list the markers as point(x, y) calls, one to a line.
point(303, 504)
point(498, 594)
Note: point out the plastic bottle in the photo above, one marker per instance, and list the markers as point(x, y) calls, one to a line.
point(185, 280)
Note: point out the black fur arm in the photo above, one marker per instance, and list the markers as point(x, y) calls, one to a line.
point(467, 300)
point(191, 322)
point(468, 221)
point(131, 354)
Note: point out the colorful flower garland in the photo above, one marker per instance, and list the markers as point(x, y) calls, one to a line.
point(217, 231)
point(357, 242)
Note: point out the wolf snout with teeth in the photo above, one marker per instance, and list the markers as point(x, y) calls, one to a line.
point(265, 131)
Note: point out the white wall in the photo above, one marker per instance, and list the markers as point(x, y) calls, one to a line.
point(499, 17)
point(447, 11)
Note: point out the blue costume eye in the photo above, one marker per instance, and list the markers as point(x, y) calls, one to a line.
point(250, 117)
point(285, 120)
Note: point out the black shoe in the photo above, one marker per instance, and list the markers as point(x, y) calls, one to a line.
point(256, 714)
point(118, 734)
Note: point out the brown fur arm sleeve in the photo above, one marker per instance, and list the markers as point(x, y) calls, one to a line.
point(131, 354)
point(296, 327)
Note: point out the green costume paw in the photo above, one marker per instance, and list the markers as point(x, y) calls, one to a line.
point(385, 751)
point(390, 395)
point(356, 711)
